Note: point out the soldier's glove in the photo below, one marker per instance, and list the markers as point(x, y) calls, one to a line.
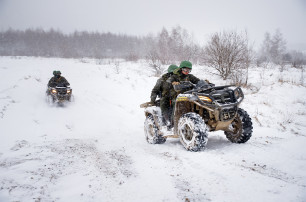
point(175, 83)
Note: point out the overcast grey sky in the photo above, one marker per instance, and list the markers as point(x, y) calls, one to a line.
point(141, 17)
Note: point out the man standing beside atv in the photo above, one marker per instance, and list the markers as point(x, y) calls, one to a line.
point(162, 88)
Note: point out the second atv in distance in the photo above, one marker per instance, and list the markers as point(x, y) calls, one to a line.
point(59, 94)
point(198, 110)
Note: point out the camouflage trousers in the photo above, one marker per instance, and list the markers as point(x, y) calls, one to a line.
point(166, 109)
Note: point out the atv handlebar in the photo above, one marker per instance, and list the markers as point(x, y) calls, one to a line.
point(183, 85)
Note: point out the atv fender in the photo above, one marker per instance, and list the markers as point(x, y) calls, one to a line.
point(155, 111)
point(157, 115)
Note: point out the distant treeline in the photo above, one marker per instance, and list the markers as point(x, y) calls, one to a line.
point(166, 47)
point(52, 43)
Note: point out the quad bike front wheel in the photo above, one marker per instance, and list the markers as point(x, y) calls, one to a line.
point(71, 98)
point(50, 99)
point(151, 131)
point(193, 132)
point(241, 128)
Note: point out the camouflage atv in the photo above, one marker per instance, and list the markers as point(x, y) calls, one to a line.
point(198, 110)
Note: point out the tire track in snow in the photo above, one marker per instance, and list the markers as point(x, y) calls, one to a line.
point(7, 101)
point(273, 173)
point(54, 160)
point(187, 190)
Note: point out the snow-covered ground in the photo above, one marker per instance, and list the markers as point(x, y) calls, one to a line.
point(95, 150)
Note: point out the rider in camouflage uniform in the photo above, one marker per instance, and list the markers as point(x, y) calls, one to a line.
point(181, 74)
point(162, 89)
point(57, 80)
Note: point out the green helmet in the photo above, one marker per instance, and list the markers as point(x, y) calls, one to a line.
point(171, 68)
point(185, 64)
point(56, 73)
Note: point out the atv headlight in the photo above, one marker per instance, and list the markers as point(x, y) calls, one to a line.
point(53, 91)
point(205, 98)
point(68, 90)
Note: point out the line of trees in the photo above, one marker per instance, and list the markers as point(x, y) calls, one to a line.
point(169, 47)
point(274, 50)
point(228, 52)
point(54, 43)
point(166, 46)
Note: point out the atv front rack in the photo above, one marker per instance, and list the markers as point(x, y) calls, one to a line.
point(218, 96)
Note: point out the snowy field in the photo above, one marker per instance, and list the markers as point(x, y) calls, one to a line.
point(94, 149)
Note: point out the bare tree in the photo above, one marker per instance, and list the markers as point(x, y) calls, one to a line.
point(273, 48)
point(264, 55)
point(228, 52)
point(182, 45)
point(154, 61)
point(163, 47)
point(169, 47)
point(153, 55)
point(298, 59)
point(278, 47)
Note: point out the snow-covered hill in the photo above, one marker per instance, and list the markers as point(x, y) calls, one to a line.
point(94, 149)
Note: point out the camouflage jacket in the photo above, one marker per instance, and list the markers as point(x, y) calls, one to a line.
point(178, 76)
point(161, 87)
point(61, 81)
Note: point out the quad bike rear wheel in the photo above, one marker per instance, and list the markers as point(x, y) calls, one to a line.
point(193, 132)
point(151, 131)
point(241, 128)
